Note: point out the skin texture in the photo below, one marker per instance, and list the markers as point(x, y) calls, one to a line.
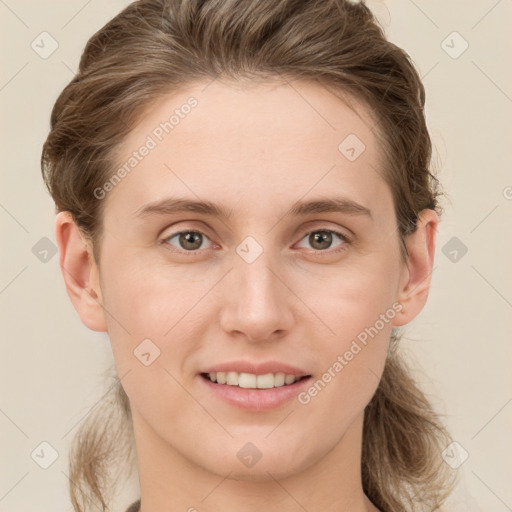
point(255, 150)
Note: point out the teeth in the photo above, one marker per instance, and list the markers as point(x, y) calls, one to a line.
point(279, 379)
point(289, 379)
point(252, 381)
point(247, 380)
point(232, 379)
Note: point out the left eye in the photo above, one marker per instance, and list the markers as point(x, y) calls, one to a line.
point(192, 241)
point(323, 238)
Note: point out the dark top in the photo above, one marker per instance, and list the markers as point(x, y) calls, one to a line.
point(134, 507)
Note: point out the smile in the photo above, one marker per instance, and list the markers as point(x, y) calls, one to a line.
point(251, 380)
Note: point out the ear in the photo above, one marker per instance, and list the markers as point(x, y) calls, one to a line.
point(80, 272)
point(417, 272)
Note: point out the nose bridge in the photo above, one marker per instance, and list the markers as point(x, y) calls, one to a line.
point(256, 281)
point(257, 304)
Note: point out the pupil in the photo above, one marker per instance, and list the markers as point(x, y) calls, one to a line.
point(324, 238)
point(190, 240)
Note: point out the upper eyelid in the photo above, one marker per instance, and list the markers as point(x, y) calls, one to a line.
point(345, 238)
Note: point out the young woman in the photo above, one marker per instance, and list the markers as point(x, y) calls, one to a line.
point(245, 205)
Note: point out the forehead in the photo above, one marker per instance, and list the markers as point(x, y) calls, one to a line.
point(249, 143)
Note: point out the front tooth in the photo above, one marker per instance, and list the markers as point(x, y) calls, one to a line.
point(278, 379)
point(265, 381)
point(232, 378)
point(247, 380)
point(289, 379)
point(252, 381)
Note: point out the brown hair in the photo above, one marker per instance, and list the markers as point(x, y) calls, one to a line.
point(155, 46)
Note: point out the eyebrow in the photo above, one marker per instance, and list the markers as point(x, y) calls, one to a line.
point(300, 208)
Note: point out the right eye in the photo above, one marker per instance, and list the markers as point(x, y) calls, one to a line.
point(186, 241)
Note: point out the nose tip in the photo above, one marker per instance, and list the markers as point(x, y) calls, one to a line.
point(257, 303)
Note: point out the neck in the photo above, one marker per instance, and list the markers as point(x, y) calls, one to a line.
point(169, 482)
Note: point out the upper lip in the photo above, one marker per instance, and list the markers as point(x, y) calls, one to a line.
point(257, 368)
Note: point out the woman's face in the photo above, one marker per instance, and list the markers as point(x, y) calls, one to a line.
point(255, 234)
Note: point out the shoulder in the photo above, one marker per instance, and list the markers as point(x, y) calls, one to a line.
point(134, 507)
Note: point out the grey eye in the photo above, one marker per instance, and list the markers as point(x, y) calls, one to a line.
point(322, 239)
point(188, 240)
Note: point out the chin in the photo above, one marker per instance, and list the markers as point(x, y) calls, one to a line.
point(258, 473)
point(248, 463)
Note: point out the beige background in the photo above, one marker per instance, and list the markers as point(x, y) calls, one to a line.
point(52, 365)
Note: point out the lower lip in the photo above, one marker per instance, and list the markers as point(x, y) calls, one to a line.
point(256, 399)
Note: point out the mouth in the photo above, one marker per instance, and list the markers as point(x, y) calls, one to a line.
point(253, 381)
point(254, 387)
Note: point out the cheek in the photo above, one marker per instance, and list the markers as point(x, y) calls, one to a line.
point(352, 367)
point(352, 297)
point(148, 297)
point(152, 338)
point(146, 311)
point(358, 306)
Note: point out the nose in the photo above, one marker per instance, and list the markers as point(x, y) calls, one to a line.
point(258, 304)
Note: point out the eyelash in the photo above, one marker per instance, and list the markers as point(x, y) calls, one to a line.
point(342, 236)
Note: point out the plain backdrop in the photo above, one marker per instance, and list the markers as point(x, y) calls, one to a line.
point(52, 366)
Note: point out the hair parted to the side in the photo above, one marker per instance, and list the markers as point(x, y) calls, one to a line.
point(154, 47)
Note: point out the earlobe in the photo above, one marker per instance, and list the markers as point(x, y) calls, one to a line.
point(417, 271)
point(80, 272)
